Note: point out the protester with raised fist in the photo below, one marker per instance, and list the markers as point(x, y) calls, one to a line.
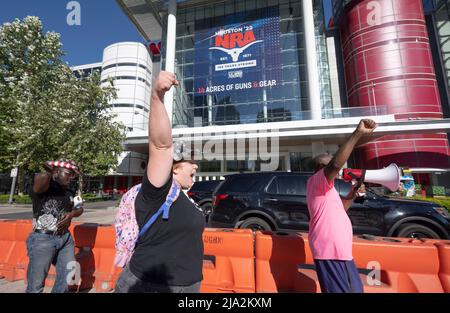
point(168, 255)
point(330, 228)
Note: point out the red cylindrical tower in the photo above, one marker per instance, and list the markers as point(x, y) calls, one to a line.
point(389, 66)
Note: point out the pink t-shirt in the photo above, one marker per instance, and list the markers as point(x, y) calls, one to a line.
point(330, 229)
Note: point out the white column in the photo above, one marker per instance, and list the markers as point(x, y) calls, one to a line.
point(265, 114)
point(170, 52)
point(434, 179)
point(317, 148)
point(311, 60)
point(210, 110)
point(287, 162)
point(334, 77)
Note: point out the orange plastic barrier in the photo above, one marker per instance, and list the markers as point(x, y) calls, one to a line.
point(95, 253)
point(16, 261)
point(85, 280)
point(7, 242)
point(397, 264)
point(228, 264)
point(84, 235)
point(444, 262)
point(85, 239)
point(104, 251)
point(284, 263)
point(226, 269)
point(236, 260)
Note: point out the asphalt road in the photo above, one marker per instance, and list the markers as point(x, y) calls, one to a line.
point(94, 212)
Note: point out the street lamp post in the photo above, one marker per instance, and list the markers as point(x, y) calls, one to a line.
point(13, 185)
point(14, 174)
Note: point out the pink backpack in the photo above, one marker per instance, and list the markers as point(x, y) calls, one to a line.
point(127, 229)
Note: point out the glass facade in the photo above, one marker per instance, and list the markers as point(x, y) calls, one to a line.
point(301, 161)
point(322, 61)
point(287, 101)
point(442, 18)
point(86, 72)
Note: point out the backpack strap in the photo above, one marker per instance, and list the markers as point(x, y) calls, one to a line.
point(172, 196)
point(165, 208)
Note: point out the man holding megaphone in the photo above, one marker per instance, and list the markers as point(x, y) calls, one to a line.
point(330, 228)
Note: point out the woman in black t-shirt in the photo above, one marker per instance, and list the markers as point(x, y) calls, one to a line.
point(169, 256)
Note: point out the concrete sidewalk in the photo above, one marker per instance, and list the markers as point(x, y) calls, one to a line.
point(20, 287)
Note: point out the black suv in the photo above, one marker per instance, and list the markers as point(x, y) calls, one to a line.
point(277, 201)
point(201, 192)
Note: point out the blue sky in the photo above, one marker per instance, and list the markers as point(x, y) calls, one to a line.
point(102, 23)
point(328, 9)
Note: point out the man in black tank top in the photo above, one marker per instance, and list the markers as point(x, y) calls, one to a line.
point(50, 242)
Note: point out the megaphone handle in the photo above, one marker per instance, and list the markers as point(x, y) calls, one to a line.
point(355, 187)
point(360, 180)
point(347, 197)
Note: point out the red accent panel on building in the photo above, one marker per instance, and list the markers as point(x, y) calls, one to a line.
point(155, 48)
point(388, 65)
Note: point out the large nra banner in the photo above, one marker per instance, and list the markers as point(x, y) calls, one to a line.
point(240, 52)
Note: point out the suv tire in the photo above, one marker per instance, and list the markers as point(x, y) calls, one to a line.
point(411, 230)
point(255, 223)
point(207, 209)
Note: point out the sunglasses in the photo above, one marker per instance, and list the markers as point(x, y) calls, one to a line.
point(68, 173)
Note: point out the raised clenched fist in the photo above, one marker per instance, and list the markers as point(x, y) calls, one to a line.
point(164, 82)
point(366, 126)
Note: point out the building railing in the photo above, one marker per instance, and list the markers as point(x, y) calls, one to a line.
point(278, 115)
point(233, 117)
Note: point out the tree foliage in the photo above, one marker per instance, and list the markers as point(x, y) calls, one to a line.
point(45, 111)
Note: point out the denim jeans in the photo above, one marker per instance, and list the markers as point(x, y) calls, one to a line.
point(129, 283)
point(44, 250)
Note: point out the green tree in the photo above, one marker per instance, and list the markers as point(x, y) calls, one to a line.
point(89, 133)
point(45, 111)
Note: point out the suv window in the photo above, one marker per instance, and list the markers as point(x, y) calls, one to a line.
point(241, 184)
point(209, 185)
point(288, 185)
